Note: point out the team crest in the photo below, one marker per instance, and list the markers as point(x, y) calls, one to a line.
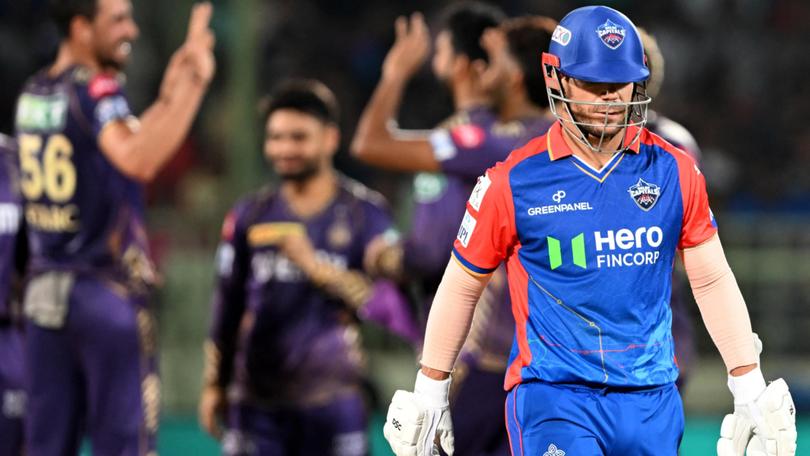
point(340, 234)
point(611, 34)
point(644, 194)
point(554, 451)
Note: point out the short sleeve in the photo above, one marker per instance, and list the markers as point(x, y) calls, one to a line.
point(109, 103)
point(698, 221)
point(487, 233)
point(467, 150)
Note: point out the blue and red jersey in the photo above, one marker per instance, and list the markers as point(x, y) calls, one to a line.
point(589, 256)
point(82, 213)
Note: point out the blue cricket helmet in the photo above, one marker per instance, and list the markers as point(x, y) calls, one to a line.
point(599, 44)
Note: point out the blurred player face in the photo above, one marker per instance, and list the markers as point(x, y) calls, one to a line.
point(599, 118)
point(299, 145)
point(114, 30)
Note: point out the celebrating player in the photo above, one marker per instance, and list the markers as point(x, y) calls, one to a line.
point(487, 68)
point(588, 219)
point(89, 338)
point(12, 246)
point(284, 343)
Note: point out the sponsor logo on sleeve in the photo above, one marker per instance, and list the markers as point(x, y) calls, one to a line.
point(466, 229)
point(611, 34)
point(102, 85)
point(468, 136)
point(644, 194)
point(479, 191)
point(112, 108)
point(443, 147)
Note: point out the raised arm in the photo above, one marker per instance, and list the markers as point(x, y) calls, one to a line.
point(374, 143)
point(140, 149)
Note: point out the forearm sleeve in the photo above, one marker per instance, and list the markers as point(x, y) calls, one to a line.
point(451, 316)
point(721, 303)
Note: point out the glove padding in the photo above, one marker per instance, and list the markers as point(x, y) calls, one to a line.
point(763, 427)
point(417, 420)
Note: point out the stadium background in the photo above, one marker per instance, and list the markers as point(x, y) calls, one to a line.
point(736, 76)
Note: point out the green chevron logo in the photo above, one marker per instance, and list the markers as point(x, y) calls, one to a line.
point(555, 259)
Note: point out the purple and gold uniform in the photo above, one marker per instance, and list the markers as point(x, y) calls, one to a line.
point(466, 145)
point(289, 353)
point(12, 257)
point(89, 273)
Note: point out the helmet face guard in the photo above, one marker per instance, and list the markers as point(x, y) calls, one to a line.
point(597, 44)
point(635, 110)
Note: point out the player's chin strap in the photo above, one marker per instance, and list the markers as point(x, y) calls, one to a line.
point(635, 111)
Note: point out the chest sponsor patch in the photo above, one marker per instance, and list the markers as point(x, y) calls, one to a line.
point(644, 194)
point(477, 195)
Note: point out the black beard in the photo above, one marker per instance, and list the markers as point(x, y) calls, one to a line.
point(110, 64)
point(306, 173)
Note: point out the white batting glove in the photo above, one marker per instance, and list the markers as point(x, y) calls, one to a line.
point(416, 420)
point(736, 430)
point(764, 415)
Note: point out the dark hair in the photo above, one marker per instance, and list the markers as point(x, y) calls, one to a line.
point(63, 11)
point(308, 96)
point(527, 38)
point(466, 22)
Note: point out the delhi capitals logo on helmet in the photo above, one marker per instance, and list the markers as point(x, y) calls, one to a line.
point(611, 34)
point(645, 194)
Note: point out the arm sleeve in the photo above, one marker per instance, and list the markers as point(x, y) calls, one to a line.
point(450, 316)
point(228, 301)
point(721, 303)
point(487, 233)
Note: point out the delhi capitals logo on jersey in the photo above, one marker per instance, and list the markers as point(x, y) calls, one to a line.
point(554, 451)
point(611, 34)
point(644, 194)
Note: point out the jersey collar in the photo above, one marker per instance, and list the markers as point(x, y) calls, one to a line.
point(558, 148)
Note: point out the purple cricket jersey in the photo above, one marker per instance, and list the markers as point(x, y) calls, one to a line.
point(11, 235)
point(12, 256)
point(466, 145)
point(283, 340)
point(82, 213)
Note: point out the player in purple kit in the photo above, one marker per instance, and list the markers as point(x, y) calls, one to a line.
point(12, 262)
point(501, 104)
point(284, 358)
point(83, 157)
